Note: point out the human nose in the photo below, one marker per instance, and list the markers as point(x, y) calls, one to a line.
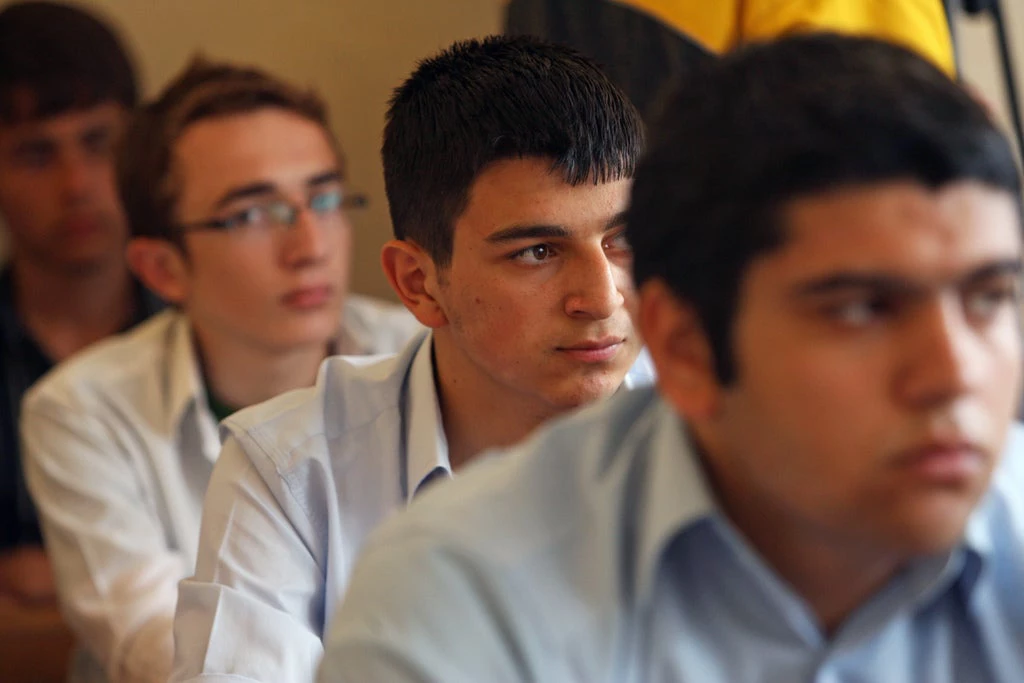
point(594, 287)
point(946, 357)
point(76, 176)
point(308, 239)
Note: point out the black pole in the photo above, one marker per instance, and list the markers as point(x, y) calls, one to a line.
point(995, 9)
point(1009, 76)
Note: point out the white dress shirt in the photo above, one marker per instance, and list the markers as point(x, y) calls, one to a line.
point(119, 444)
point(301, 480)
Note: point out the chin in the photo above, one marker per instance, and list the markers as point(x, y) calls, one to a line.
point(291, 337)
point(586, 391)
point(931, 536)
point(86, 262)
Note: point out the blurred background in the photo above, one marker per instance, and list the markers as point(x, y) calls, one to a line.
point(355, 51)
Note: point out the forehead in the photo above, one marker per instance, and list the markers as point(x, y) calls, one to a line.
point(900, 227)
point(215, 155)
point(527, 192)
point(66, 125)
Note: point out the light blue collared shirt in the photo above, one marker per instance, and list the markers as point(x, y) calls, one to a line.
point(299, 484)
point(596, 552)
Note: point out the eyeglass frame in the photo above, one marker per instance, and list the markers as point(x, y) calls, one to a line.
point(348, 201)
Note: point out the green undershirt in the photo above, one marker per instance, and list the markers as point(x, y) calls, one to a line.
point(219, 409)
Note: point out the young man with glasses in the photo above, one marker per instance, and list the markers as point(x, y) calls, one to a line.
point(507, 164)
point(235, 189)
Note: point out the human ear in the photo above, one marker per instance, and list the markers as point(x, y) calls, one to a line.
point(160, 266)
point(680, 350)
point(413, 275)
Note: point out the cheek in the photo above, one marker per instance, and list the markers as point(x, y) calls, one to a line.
point(1005, 357)
point(496, 316)
point(792, 437)
point(341, 255)
point(236, 282)
point(809, 395)
point(26, 203)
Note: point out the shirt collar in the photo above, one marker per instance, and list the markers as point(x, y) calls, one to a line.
point(641, 373)
point(351, 340)
point(678, 495)
point(426, 443)
point(676, 492)
point(186, 396)
point(357, 336)
point(978, 546)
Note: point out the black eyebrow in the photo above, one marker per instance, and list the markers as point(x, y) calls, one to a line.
point(1004, 268)
point(528, 232)
point(34, 145)
point(894, 284)
point(261, 189)
point(100, 131)
point(332, 176)
point(532, 232)
point(616, 220)
point(244, 192)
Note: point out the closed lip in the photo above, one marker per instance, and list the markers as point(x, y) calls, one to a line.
point(937, 448)
point(313, 296)
point(593, 350)
point(81, 224)
point(946, 460)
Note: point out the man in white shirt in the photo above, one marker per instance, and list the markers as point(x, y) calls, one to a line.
point(507, 164)
point(235, 190)
point(826, 486)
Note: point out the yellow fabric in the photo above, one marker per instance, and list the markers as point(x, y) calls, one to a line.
point(720, 25)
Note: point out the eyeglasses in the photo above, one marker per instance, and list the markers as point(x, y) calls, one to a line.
point(276, 212)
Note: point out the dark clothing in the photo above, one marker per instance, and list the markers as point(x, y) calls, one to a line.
point(639, 54)
point(22, 362)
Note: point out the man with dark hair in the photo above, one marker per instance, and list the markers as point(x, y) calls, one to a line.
point(66, 89)
point(826, 484)
point(236, 191)
point(507, 165)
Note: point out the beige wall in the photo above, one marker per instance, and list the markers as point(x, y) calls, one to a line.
point(353, 51)
point(356, 51)
point(980, 56)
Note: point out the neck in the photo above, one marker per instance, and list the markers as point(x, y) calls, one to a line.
point(66, 310)
point(240, 375)
point(834, 578)
point(478, 413)
point(835, 575)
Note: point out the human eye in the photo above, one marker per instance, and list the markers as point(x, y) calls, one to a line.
point(617, 242)
point(35, 154)
point(249, 217)
point(99, 142)
point(534, 255)
point(859, 311)
point(984, 301)
point(326, 201)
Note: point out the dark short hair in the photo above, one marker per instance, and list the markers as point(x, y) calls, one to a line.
point(482, 101)
point(148, 186)
point(744, 136)
point(55, 58)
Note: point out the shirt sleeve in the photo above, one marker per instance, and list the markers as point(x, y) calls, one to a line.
point(416, 612)
point(116, 576)
point(254, 609)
